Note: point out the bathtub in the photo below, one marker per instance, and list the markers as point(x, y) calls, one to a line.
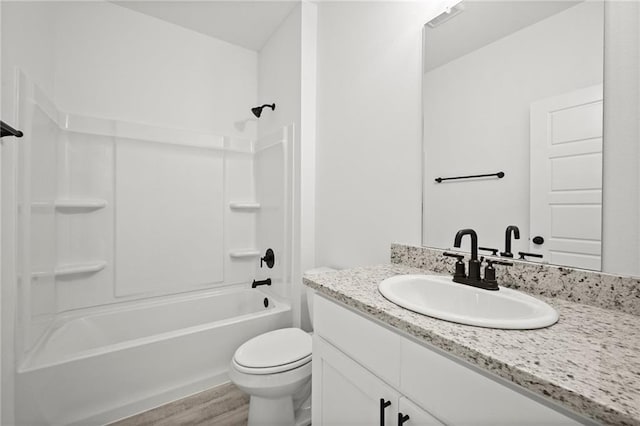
point(104, 365)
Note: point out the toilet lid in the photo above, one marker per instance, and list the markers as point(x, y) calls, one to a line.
point(278, 348)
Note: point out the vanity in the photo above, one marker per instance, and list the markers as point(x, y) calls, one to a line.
point(377, 363)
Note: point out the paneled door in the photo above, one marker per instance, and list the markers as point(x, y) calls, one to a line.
point(566, 178)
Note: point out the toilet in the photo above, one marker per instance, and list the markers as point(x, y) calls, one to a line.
point(274, 368)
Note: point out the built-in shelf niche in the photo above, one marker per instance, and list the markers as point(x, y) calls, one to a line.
point(73, 269)
point(244, 254)
point(244, 206)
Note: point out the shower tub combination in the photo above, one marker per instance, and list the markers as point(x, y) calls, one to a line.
point(118, 361)
point(122, 306)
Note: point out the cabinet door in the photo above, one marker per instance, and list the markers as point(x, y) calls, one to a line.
point(417, 416)
point(346, 394)
point(461, 396)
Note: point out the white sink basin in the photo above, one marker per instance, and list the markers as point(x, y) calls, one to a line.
point(439, 297)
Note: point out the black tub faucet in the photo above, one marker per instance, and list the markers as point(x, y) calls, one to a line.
point(474, 263)
point(259, 283)
point(507, 240)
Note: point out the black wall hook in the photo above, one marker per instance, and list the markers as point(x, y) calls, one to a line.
point(9, 131)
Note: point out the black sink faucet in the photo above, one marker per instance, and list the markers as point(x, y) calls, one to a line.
point(473, 279)
point(507, 240)
point(474, 263)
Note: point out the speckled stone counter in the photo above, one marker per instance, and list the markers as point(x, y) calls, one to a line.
point(575, 285)
point(588, 362)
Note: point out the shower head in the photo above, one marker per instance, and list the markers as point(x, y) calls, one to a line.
point(258, 110)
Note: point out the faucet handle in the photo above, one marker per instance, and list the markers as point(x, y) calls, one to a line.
point(498, 262)
point(460, 268)
point(524, 253)
point(456, 255)
point(269, 258)
point(490, 272)
point(494, 252)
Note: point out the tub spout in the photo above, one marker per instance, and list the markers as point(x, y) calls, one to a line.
point(263, 282)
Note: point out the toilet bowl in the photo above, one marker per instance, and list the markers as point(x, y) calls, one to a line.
point(274, 368)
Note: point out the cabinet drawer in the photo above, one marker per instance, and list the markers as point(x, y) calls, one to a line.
point(370, 344)
point(458, 395)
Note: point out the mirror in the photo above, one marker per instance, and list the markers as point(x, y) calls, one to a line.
point(513, 90)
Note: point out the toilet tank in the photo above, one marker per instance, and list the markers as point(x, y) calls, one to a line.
point(311, 292)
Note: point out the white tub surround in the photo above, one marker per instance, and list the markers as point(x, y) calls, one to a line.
point(104, 210)
point(588, 363)
point(114, 362)
point(129, 296)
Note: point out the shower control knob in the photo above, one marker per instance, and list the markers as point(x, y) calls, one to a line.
point(538, 240)
point(269, 258)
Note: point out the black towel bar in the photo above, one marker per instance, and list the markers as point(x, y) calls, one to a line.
point(500, 175)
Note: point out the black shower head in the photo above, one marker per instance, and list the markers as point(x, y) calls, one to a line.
point(258, 110)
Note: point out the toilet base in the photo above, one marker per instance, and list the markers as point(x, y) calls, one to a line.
point(271, 412)
point(280, 411)
point(303, 414)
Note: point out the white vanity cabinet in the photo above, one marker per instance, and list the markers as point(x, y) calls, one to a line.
point(350, 394)
point(358, 365)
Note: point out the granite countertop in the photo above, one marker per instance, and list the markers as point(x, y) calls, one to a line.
point(589, 361)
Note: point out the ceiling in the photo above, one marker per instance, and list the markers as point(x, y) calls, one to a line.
point(482, 23)
point(244, 23)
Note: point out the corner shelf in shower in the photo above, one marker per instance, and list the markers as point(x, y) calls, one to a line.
point(73, 269)
point(244, 254)
point(80, 204)
point(247, 206)
point(67, 204)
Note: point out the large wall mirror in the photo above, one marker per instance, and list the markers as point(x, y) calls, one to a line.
point(514, 90)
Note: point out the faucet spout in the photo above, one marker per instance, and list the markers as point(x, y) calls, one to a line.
point(474, 264)
point(507, 240)
point(474, 241)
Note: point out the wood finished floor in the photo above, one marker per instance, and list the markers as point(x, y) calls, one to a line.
point(223, 405)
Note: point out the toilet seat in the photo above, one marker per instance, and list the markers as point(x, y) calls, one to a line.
point(274, 352)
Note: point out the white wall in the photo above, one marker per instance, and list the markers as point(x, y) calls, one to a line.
point(27, 35)
point(369, 144)
point(112, 62)
point(279, 76)
point(476, 120)
point(368, 191)
point(621, 184)
point(289, 53)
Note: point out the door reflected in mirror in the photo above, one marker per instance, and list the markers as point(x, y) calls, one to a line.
point(516, 87)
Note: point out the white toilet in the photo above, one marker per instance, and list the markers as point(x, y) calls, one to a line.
point(274, 368)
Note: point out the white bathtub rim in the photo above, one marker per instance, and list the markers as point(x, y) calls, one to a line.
point(29, 365)
point(157, 300)
point(154, 401)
